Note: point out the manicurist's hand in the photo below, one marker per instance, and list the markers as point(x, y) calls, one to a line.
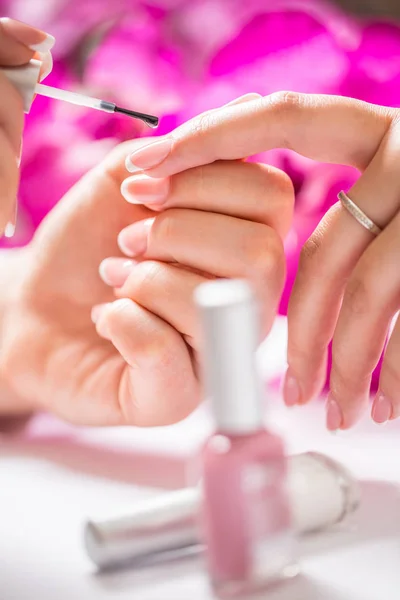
point(226, 219)
point(348, 284)
point(18, 44)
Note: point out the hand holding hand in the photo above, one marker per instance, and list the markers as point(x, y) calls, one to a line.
point(348, 284)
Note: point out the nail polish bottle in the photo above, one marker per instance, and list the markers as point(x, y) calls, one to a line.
point(322, 494)
point(246, 509)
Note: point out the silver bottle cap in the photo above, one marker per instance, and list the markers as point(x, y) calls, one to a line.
point(231, 335)
point(162, 524)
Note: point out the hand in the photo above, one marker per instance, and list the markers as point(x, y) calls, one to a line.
point(200, 228)
point(348, 283)
point(18, 44)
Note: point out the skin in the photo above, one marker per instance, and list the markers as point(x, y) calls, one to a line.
point(145, 371)
point(14, 53)
point(348, 283)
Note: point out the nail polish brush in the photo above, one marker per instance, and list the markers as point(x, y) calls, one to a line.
point(25, 79)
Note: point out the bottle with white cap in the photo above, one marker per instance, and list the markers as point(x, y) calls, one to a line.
point(246, 508)
point(322, 493)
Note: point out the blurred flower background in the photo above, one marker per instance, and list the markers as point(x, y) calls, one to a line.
point(176, 58)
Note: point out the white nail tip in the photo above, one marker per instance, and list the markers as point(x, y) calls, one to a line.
point(103, 272)
point(9, 230)
point(45, 45)
point(130, 166)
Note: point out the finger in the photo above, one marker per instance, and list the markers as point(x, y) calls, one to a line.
point(222, 187)
point(325, 128)
point(19, 41)
point(386, 404)
point(214, 243)
point(9, 176)
point(114, 163)
point(11, 114)
point(326, 263)
point(158, 386)
point(371, 299)
point(207, 243)
point(166, 291)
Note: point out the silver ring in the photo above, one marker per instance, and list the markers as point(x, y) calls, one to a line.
point(358, 214)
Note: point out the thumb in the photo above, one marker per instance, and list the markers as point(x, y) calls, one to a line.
point(19, 42)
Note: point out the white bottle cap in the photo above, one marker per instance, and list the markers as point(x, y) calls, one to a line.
point(231, 333)
point(24, 79)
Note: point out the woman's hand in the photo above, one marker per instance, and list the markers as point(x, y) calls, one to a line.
point(18, 44)
point(220, 220)
point(348, 284)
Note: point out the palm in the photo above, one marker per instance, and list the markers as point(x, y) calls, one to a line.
point(64, 364)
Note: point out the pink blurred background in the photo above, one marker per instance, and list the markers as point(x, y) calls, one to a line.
point(176, 58)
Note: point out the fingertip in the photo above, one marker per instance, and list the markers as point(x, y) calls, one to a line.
point(47, 64)
point(382, 409)
point(291, 389)
point(334, 415)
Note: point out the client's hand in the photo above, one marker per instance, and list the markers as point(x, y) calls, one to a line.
point(216, 221)
point(18, 44)
point(348, 284)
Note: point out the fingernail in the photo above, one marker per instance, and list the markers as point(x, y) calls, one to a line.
point(133, 240)
point(291, 390)
point(381, 409)
point(35, 39)
point(97, 311)
point(142, 189)
point(12, 224)
point(149, 156)
point(334, 416)
point(47, 65)
point(245, 98)
point(115, 271)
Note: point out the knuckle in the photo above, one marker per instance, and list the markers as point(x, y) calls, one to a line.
point(166, 225)
point(390, 379)
point(310, 259)
point(283, 183)
point(285, 104)
point(146, 278)
point(345, 380)
point(264, 252)
point(276, 180)
point(201, 125)
point(286, 100)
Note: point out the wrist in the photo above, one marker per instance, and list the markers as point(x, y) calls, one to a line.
point(12, 268)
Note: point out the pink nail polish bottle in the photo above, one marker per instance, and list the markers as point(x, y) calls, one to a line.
point(246, 510)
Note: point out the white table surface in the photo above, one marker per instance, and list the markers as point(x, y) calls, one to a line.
point(56, 476)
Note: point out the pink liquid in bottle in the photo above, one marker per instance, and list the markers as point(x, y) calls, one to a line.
point(246, 510)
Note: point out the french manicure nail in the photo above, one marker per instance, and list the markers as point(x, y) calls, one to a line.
point(97, 311)
point(12, 224)
point(115, 271)
point(334, 416)
point(133, 240)
point(47, 65)
point(35, 39)
point(382, 409)
point(142, 189)
point(291, 390)
point(149, 156)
